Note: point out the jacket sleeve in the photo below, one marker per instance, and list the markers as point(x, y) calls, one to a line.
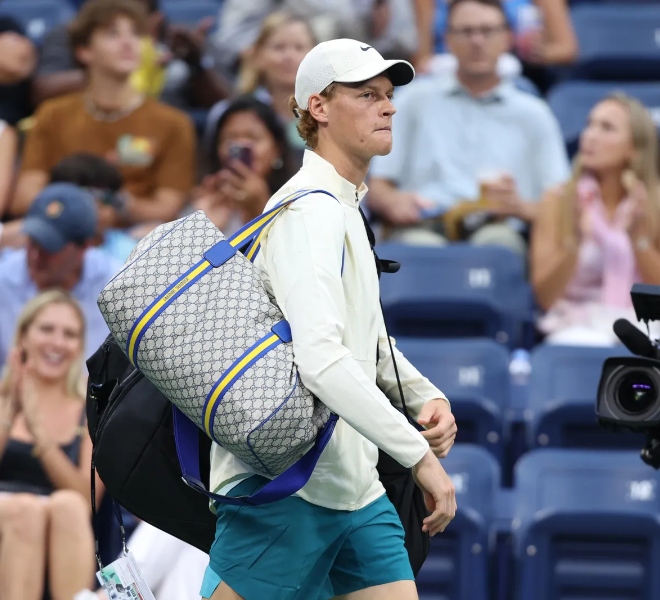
point(302, 257)
point(417, 389)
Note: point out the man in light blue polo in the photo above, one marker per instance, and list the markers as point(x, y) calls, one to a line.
point(452, 132)
point(60, 226)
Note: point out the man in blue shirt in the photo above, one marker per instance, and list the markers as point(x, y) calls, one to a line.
point(452, 132)
point(59, 225)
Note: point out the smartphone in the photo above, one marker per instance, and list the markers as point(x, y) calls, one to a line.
point(242, 153)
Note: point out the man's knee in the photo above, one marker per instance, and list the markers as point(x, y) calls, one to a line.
point(500, 234)
point(224, 592)
point(398, 590)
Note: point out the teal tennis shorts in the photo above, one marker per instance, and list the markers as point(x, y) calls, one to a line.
point(294, 550)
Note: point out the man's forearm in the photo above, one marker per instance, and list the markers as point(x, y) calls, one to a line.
point(208, 87)
point(381, 194)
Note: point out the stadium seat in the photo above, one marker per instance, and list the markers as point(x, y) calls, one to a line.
point(456, 291)
point(587, 526)
point(572, 101)
point(562, 399)
point(474, 375)
point(617, 41)
point(37, 17)
point(457, 566)
point(190, 12)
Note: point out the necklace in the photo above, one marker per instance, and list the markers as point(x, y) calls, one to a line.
point(110, 116)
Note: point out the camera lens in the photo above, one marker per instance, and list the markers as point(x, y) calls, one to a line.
point(636, 392)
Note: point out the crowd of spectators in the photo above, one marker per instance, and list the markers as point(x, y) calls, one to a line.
point(101, 140)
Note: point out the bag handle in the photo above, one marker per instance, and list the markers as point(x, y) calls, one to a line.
point(186, 435)
point(248, 238)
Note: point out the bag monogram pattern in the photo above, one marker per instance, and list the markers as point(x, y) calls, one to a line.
point(266, 417)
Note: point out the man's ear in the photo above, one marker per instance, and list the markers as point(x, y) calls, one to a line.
point(318, 108)
point(83, 55)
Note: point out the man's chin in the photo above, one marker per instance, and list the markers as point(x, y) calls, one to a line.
point(481, 70)
point(382, 149)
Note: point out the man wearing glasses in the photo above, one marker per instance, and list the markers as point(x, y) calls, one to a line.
point(465, 138)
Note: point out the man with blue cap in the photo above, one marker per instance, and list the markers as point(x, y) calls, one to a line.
point(60, 225)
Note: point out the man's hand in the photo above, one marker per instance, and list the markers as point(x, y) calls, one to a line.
point(439, 493)
point(403, 208)
point(188, 44)
point(440, 426)
point(503, 199)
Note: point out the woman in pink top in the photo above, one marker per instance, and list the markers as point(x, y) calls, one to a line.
point(600, 232)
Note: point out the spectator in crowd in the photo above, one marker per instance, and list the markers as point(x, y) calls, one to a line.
point(454, 131)
point(45, 455)
point(389, 25)
point(177, 66)
point(152, 144)
point(600, 233)
point(104, 182)
point(268, 71)
point(60, 225)
point(250, 162)
point(542, 29)
point(8, 149)
point(17, 62)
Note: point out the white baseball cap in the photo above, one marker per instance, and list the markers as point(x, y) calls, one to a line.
point(345, 61)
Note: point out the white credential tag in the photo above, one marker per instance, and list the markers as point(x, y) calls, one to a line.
point(122, 580)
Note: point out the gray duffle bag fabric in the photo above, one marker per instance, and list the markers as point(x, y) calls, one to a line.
point(191, 312)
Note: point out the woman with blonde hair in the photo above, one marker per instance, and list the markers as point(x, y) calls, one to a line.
point(268, 71)
point(45, 456)
point(600, 232)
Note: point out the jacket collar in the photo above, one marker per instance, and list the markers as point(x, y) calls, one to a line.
point(325, 176)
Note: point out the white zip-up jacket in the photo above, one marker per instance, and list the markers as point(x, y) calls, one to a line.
point(336, 323)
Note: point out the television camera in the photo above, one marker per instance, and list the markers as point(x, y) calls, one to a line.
point(629, 387)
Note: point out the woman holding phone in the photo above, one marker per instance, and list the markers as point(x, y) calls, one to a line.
point(45, 456)
point(249, 162)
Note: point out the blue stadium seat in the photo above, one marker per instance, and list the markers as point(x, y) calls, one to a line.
point(572, 101)
point(457, 566)
point(562, 399)
point(617, 41)
point(474, 375)
point(37, 17)
point(190, 12)
point(456, 291)
point(587, 526)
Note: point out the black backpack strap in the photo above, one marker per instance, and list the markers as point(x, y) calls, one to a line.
point(386, 266)
point(382, 265)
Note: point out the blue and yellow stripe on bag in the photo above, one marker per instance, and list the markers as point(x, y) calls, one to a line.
point(236, 370)
point(154, 310)
point(247, 239)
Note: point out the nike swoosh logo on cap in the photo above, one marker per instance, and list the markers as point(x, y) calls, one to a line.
point(365, 48)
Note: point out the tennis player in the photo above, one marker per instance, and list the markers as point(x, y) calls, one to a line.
point(339, 536)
